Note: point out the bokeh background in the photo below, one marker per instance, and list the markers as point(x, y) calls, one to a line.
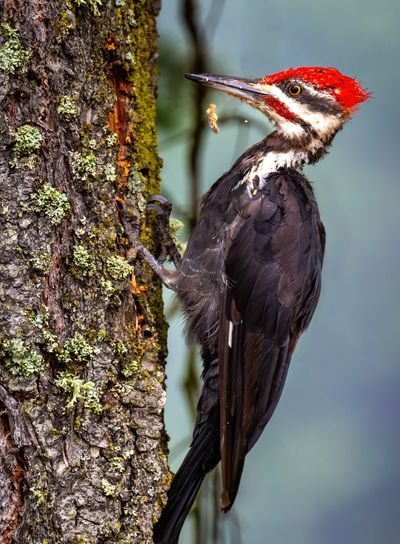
point(326, 470)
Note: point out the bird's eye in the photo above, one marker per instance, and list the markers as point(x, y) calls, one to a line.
point(294, 90)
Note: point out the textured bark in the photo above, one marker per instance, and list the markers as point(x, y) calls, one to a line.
point(82, 339)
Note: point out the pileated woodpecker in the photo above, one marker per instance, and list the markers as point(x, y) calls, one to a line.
point(250, 278)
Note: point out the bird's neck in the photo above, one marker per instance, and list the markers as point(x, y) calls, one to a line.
point(280, 152)
point(283, 152)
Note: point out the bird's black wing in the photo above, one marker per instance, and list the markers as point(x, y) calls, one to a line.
point(273, 265)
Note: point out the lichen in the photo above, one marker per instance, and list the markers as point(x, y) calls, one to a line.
point(41, 322)
point(112, 139)
point(38, 493)
point(12, 54)
point(120, 349)
point(71, 308)
point(80, 390)
point(84, 166)
point(76, 349)
point(40, 263)
point(27, 142)
point(67, 107)
point(64, 25)
point(52, 203)
point(136, 184)
point(129, 57)
point(20, 359)
point(117, 464)
point(107, 286)
point(131, 368)
point(108, 489)
point(138, 356)
point(93, 5)
point(28, 139)
point(83, 260)
point(118, 267)
point(110, 172)
point(175, 226)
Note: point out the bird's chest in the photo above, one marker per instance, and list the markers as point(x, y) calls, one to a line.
point(281, 210)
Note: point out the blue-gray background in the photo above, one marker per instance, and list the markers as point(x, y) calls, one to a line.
point(326, 470)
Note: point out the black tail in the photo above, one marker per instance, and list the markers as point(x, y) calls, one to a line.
point(201, 458)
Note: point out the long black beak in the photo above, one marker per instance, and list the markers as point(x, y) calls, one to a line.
point(247, 89)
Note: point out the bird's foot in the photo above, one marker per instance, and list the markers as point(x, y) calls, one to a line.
point(131, 225)
point(163, 208)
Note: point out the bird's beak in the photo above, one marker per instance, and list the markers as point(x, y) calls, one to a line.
point(250, 90)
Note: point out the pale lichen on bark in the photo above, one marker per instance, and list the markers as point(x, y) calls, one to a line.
point(82, 343)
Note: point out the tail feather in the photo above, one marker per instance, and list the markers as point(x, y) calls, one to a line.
point(201, 458)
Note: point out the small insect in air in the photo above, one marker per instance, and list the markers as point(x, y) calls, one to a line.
point(213, 118)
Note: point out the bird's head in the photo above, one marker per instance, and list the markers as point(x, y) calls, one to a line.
point(304, 103)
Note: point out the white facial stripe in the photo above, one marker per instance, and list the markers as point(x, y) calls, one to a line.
point(324, 124)
point(293, 130)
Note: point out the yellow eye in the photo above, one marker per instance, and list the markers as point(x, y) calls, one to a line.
point(294, 90)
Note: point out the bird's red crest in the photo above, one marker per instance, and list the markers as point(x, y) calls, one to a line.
point(346, 90)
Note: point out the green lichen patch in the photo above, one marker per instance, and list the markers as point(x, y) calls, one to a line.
point(40, 263)
point(137, 356)
point(107, 287)
point(136, 184)
point(80, 390)
point(118, 267)
point(83, 260)
point(27, 142)
point(84, 165)
point(118, 462)
point(131, 368)
point(38, 493)
point(41, 322)
point(20, 359)
point(109, 489)
point(76, 349)
point(112, 139)
point(64, 24)
point(127, 357)
point(12, 54)
point(67, 107)
point(110, 173)
point(52, 203)
point(175, 227)
point(93, 5)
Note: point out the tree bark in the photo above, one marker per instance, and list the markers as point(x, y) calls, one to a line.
point(83, 454)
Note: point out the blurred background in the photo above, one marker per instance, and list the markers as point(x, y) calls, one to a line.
point(326, 469)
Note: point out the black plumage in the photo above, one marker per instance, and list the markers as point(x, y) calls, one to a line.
point(249, 283)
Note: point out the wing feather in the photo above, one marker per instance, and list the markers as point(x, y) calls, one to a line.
point(270, 266)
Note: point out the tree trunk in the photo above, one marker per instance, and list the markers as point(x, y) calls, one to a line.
point(82, 342)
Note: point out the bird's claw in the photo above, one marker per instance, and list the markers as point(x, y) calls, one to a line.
point(162, 206)
point(159, 198)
